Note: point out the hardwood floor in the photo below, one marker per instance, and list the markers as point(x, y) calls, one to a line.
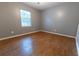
point(38, 44)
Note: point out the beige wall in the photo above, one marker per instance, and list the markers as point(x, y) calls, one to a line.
point(10, 19)
point(45, 20)
point(62, 19)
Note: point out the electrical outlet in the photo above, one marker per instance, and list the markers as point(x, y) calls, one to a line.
point(12, 32)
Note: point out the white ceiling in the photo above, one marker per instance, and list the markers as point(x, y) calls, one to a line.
point(42, 5)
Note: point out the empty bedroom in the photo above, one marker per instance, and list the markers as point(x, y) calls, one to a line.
point(39, 28)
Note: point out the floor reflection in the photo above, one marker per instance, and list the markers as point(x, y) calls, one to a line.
point(27, 46)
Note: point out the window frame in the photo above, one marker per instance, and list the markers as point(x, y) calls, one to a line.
point(21, 18)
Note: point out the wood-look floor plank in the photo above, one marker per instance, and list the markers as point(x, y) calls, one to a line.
point(38, 44)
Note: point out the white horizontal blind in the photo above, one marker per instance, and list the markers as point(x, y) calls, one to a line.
point(25, 18)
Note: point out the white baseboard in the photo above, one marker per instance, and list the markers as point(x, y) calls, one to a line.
point(34, 32)
point(19, 35)
point(59, 34)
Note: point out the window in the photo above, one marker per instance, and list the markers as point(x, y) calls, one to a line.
point(25, 18)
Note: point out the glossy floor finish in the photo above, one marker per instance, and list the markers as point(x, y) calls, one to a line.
point(38, 44)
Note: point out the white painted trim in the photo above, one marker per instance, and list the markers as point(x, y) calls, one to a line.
point(77, 40)
point(34, 32)
point(19, 35)
point(77, 46)
point(59, 34)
